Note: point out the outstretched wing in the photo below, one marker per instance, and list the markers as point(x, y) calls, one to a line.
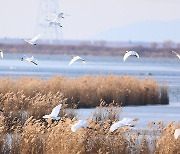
point(176, 54)
point(130, 53)
point(74, 59)
point(35, 38)
point(56, 110)
point(1, 52)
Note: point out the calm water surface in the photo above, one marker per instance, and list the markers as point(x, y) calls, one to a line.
point(163, 70)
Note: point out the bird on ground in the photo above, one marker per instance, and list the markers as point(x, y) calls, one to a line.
point(33, 40)
point(79, 124)
point(29, 59)
point(76, 58)
point(178, 55)
point(124, 122)
point(177, 133)
point(130, 53)
point(1, 53)
point(54, 113)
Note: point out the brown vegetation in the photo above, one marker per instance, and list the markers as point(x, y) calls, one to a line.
point(38, 95)
point(85, 49)
point(49, 136)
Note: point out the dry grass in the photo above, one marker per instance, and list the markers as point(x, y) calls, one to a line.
point(33, 93)
point(49, 136)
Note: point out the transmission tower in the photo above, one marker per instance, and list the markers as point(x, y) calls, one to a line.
point(46, 8)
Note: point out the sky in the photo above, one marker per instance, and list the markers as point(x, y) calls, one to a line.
point(88, 18)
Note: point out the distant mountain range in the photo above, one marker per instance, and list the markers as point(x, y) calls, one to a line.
point(146, 31)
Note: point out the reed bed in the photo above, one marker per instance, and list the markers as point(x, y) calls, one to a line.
point(43, 137)
point(35, 93)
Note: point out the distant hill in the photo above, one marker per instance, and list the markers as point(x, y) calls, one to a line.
point(146, 31)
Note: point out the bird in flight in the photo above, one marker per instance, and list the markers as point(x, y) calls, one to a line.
point(178, 55)
point(79, 124)
point(1, 53)
point(29, 59)
point(130, 53)
point(55, 21)
point(33, 40)
point(177, 133)
point(76, 58)
point(54, 113)
point(124, 122)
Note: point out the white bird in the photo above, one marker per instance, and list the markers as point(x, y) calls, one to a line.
point(130, 53)
point(29, 59)
point(54, 113)
point(1, 53)
point(55, 21)
point(79, 124)
point(178, 55)
point(124, 122)
point(33, 40)
point(176, 133)
point(76, 58)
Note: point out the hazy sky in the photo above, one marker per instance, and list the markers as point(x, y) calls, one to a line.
point(18, 18)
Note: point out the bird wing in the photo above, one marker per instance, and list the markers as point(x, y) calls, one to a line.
point(56, 110)
point(74, 59)
point(126, 121)
point(177, 133)
point(130, 53)
point(34, 62)
point(35, 38)
point(1, 52)
point(79, 124)
point(126, 56)
point(176, 54)
point(116, 126)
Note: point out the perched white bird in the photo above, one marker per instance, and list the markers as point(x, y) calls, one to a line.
point(79, 124)
point(177, 133)
point(130, 53)
point(29, 59)
point(178, 55)
point(124, 122)
point(33, 40)
point(76, 58)
point(54, 113)
point(1, 53)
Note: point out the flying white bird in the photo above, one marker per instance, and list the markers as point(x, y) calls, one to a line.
point(130, 53)
point(124, 122)
point(76, 58)
point(33, 40)
point(55, 20)
point(29, 59)
point(54, 113)
point(177, 133)
point(1, 53)
point(178, 55)
point(79, 124)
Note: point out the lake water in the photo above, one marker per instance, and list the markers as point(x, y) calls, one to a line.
point(164, 70)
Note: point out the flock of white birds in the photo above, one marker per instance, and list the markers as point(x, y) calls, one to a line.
point(55, 112)
point(84, 123)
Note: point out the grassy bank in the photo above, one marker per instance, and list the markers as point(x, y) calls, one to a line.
point(34, 93)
